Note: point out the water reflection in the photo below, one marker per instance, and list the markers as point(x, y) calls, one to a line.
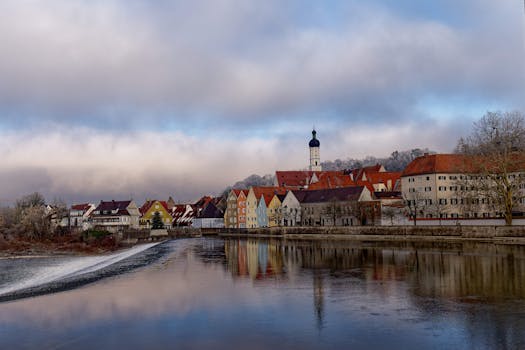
point(259, 294)
point(467, 271)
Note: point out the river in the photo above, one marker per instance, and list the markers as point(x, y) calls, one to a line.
point(210, 293)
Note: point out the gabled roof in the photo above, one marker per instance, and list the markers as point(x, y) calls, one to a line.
point(293, 178)
point(259, 191)
point(203, 201)
point(384, 177)
point(113, 205)
point(183, 213)
point(147, 205)
point(239, 191)
point(211, 212)
point(300, 195)
point(332, 179)
point(326, 195)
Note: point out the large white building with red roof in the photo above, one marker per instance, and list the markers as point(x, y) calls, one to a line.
point(444, 188)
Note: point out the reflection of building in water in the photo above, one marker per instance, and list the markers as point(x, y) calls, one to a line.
point(489, 271)
point(318, 298)
point(422, 272)
point(252, 253)
point(255, 258)
point(460, 270)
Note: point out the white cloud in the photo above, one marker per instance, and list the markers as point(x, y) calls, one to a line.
point(85, 164)
point(120, 60)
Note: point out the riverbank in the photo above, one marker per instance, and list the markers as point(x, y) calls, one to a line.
point(496, 234)
point(69, 245)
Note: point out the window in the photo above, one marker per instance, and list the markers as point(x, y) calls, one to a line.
point(428, 178)
point(442, 188)
point(442, 201)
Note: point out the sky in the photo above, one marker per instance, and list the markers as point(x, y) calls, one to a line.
point(118, 99)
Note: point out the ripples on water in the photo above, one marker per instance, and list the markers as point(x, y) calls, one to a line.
point(213, 293)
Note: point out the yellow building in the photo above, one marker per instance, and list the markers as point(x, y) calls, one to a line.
point(252, 200)
point(274, 210)
point(148, 210)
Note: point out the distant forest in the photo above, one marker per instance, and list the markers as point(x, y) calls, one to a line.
point(397, 161)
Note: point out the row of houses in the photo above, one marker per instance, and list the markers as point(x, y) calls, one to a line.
point(120, 215)
point(317, 198)
point(433, 189)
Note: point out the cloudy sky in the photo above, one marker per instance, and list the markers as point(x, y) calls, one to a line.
point(107, 99)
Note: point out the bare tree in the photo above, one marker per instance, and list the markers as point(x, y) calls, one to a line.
point(414, 203)
point(496, 153)
point(333, 210)
point(390, 213)
point(35, 222)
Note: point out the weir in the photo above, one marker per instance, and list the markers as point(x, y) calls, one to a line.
point(58, 269)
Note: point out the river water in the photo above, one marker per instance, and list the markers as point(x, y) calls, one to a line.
point(209, 293)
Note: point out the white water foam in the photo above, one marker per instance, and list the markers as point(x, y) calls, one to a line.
point(71, 268)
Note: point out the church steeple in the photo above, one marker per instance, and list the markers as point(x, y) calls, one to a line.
point(315, 156)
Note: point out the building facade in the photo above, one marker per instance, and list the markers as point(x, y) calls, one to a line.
point(446, 187)
point(148, 210)
point(115, 216)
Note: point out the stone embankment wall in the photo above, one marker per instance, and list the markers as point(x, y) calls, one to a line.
point(136, 236)
point(496, 233)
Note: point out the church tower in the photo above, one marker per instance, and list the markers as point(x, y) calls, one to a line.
point(315, 156)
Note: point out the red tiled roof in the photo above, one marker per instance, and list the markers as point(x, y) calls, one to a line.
point(294, 178)
point(270, 191)
point(459, 163)
point(146, 206)
point(81, 207)
point(439, 163)
point(183, 215)
point(332, 179)
point(384, 177)
point(239, 191)
point(358, 173)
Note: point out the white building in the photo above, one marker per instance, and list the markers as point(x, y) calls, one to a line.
point(442, 189)
point(115, 216)
point(79, 215)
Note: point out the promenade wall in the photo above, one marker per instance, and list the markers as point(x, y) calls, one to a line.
point(507, 234)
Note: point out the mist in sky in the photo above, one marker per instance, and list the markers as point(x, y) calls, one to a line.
point(119, 99)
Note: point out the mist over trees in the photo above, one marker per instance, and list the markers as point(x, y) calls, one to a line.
point(252, 180)
point(397, 161)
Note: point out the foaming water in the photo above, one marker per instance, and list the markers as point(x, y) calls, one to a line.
point(47, 274)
